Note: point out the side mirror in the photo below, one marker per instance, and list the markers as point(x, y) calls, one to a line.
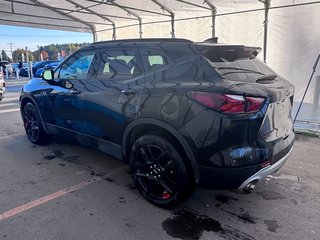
point(48, 75)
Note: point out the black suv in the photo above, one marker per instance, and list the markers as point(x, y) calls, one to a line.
point(181, 113)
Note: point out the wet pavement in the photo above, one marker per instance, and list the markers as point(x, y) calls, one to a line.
point(68, 191)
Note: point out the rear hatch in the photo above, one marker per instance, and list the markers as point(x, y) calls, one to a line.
point(251, 77)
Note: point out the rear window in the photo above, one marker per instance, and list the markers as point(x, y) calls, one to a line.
point(236, 63)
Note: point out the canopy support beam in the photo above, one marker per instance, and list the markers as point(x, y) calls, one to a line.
point(91, 26)
point(267, 5)
point(97, 14)
point(133, 14)
point(164, 8)
point(127, 7)
point(193, 4)
point(213, 17)
point(106, 15)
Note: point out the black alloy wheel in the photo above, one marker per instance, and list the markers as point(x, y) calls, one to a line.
point(33, 125)
point(159, 171)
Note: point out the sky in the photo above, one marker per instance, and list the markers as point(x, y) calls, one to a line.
point(22, 37)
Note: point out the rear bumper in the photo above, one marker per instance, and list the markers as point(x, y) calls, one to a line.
point(239, 177)
point(264, 172)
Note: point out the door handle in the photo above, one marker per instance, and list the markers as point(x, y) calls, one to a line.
point(128, 91)
point(74, 91)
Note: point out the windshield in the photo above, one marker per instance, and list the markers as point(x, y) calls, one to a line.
point(237, 63)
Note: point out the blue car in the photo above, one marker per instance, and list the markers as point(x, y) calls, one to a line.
point(48, 66)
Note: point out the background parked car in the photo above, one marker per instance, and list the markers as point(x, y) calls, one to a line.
point(2, 84)
point(35, 67)
point(48, 66)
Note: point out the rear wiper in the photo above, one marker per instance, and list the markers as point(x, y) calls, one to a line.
point(266, 78)
point(241, 69)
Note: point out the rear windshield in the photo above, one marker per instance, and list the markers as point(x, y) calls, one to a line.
point(237, 63)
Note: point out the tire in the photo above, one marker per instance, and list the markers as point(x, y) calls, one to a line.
point(159, 172)
point(34, 126)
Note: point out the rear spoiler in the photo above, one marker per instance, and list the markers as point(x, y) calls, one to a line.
point(226, 51)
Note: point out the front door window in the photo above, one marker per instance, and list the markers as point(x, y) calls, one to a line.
point(77, 67)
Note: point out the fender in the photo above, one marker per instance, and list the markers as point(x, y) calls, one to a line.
point(30, 98)
point(168, 128)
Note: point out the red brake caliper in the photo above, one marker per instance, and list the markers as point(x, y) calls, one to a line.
point(166, 195)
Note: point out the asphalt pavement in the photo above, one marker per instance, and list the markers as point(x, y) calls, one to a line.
point(68, 191)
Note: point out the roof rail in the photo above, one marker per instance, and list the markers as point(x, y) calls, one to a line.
point(145, 40)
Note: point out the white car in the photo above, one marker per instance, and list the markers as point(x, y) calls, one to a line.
point(2, 85)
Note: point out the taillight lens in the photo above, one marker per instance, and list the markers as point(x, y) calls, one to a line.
point(254, 104)
point(228, 103)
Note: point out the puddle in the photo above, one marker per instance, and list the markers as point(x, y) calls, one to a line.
point(269, 195)
point(246, 218)
point(131, 186)
point(121, 200)
point(225, 199)
point(109, 179)
point(294, 201)
point(272, 225)
point(188, 224)
point(49, 157)
point(59, 154)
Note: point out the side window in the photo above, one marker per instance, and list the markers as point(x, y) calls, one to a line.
point(118, 65)
point(156, 61)
point(153, 59)
point(77, 67)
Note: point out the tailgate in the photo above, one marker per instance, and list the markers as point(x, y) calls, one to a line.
point(277, 123)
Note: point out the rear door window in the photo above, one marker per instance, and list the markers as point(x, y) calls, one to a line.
point(153, 59)
point(119, 65)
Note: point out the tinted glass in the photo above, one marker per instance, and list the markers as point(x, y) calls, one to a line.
point(156, 61)
point(153, 59)
point(236, 63)
point(118, 65)
point(77, 67)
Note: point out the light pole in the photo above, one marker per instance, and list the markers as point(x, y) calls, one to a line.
point(11, 50)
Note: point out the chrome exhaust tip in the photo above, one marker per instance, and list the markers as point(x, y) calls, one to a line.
point(250, 186)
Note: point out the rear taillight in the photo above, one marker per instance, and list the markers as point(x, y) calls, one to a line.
point(228, 103)
point(254, 104)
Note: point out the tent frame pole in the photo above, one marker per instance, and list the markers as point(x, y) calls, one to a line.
point(131, 8)
point(164, 8)
point(213, 17)
point(91, 26)
point(97, 14)
point(133, 14)
point(267, 5)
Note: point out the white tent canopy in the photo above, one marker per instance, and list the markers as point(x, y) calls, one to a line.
point(290, 36)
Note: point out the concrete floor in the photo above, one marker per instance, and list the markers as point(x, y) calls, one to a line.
point(36, 201)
